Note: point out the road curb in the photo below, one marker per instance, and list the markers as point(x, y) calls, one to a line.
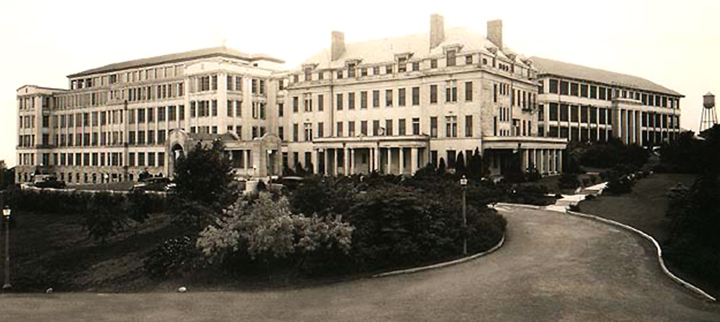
point(665, 270)
point(445, 264)
point(519, 205)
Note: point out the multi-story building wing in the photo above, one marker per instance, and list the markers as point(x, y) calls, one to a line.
point(394, 105)
point(114, 122)
point(586, 104)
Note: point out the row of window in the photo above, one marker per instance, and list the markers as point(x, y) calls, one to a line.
point(365, 99)
point(592, 114)
point(388, 128)
point(401, 65)
point(129, 77)
point(592, 91)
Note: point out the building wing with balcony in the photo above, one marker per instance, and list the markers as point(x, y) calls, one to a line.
point(580, 103)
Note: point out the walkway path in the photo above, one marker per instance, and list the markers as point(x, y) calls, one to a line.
point(553, 267)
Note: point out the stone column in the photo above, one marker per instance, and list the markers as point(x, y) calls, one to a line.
point(413, 160)
point(346, 161)
point(389, 161)
point(315, 160)
point(351, 163)
point(376, 159)
point(560, 161)
point(401, 160)
point(243, 154)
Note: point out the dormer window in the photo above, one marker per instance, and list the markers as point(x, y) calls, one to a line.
point(402, 64)
point(416, 66)
point(308, 73)
point(351, 69)
point(451, 57)
point(468, 60)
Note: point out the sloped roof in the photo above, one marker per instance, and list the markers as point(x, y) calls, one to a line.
point(177, 57)
point(384, 50)
point(557, 68)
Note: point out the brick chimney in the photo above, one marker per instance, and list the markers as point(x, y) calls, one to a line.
point(338, 45)
point(437, 30)
point(494, 32)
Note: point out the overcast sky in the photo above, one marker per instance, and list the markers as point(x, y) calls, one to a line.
point(673, 43)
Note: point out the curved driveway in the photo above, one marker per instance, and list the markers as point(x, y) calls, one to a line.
point(553, 267)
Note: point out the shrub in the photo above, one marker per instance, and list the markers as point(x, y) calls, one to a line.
point(568, 181)
point(169, 257)
point(100, 221)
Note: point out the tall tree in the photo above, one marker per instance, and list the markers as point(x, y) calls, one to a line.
point(204, 178)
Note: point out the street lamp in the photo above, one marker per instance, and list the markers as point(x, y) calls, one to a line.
point(6, 216)
point(463, 184)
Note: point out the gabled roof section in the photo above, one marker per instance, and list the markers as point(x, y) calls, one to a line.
point(384, 50)
point(178, 57)
point(552, 67)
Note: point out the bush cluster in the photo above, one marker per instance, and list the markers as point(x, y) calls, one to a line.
point(81, 202)
point(340, 225)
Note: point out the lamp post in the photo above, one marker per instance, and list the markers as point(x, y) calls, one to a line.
point(6, 216)
point(463, 184)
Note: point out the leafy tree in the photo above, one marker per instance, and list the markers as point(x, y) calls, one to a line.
point(460, 164)
point(100, 221)
point(137, 206)
point(441, 166)
point(475, 165)
point(205, 186)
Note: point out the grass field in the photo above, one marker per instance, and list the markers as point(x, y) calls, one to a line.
point(644, 208)
point(54, 251)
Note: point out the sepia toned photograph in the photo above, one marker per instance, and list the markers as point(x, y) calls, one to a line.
point(359, 160)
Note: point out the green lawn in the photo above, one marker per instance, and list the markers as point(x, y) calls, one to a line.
point(54, 251)
point(644, 208)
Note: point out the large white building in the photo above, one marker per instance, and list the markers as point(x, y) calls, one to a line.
point(389, 105)
point(115, 121)
point(587, 104)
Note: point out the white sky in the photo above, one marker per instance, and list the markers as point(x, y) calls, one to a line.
point(673, 43)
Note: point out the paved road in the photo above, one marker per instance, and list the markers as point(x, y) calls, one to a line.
point(552, 268)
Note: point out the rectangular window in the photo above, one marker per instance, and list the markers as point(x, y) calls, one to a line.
point(401, 97)
point(339, 101)
point(564, 88)
point(583, 90)
point(321, 130)
point(295, 132)
point(433, 63)
point(351, 101)
point(433, 94)
point(339, 129)
point(416, 126)
point(468, 126)
point(351, 128)
point(433, 127)
point(214, 108)
point(468, 91)
point(376, 127)
point(376, 98)
point(553, 111)
point(451, 91)
point(388, 127)
point(388, 98)
point(363, 100)
point(321, 102)
point(451, 126)
point(363, 128)
point(415, 96)
point(296, 104)
point(401, 127)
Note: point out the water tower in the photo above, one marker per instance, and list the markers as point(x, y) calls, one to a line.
point(708, 118)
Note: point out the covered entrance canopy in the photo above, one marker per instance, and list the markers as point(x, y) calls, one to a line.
point(544, 154)
point(250, 159)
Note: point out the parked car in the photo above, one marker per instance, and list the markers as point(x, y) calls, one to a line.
point(48, 181)
point(154, 184)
